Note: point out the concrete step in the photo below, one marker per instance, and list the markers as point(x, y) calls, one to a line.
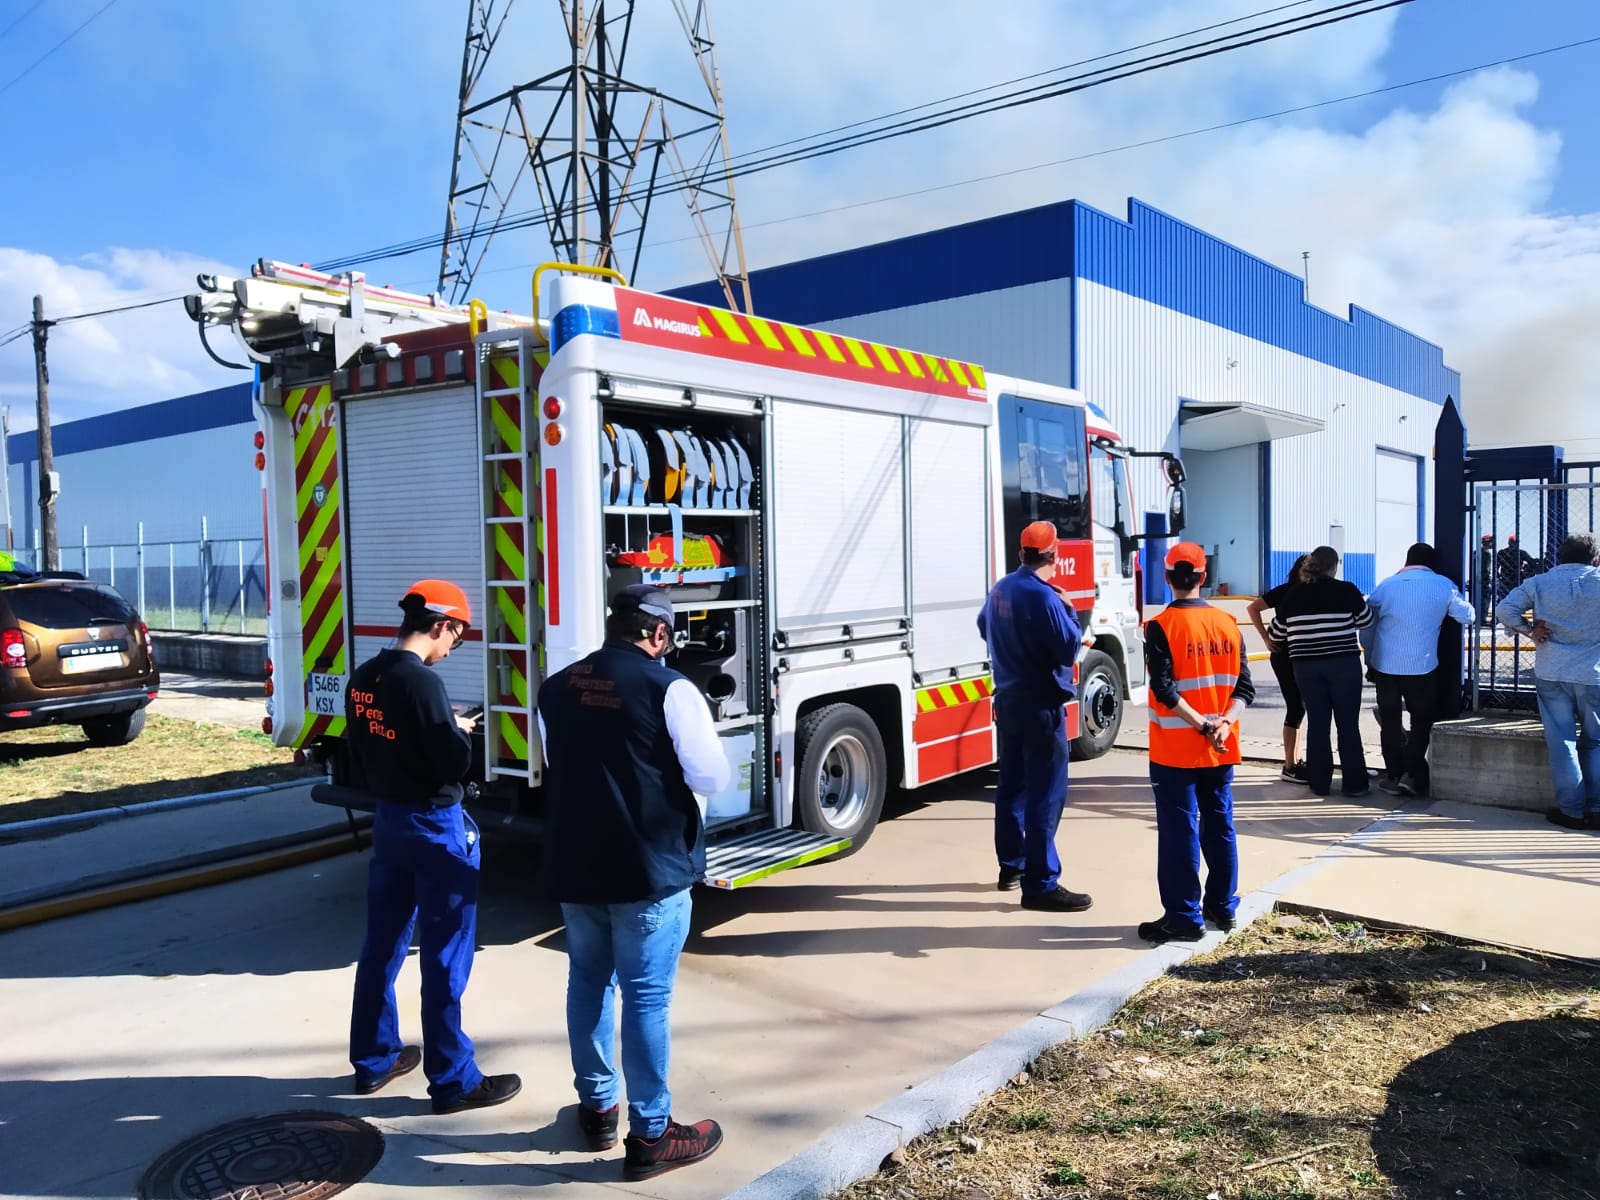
point(1495, 759)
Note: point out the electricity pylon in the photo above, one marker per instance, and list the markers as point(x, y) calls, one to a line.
point(599, 148)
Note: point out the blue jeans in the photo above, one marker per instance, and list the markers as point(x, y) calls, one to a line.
point(636, 947)
point(425, 873)
point(1194, 819)
point(1571, 716)
point(1331, 689)
point(1031, 791)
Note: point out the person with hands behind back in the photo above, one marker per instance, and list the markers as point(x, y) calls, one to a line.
point(410, 750)
point(1199, 688)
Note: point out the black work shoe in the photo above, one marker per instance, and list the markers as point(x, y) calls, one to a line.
point(679, 1146)
point(495, 1089)
point(1010, 879)
point(1160, 931)
point(1556, 817)
point(1221, 920)
point(1059, 899)
point(1296, 773)
point(599, 1127)
point(404, 1063)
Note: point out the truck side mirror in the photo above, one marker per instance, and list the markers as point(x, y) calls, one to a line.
point(1172, 468)
point(1176, 517)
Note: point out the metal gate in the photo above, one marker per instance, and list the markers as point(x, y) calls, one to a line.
point(1516, 530)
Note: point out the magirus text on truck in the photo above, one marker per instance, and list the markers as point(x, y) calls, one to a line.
point(827, 512)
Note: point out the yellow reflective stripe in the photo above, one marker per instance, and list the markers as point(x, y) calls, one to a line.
point(515, 621)
point(325, 517)
point(508, 553)
point(511, 738)
point(886, 359)
point(798, 340)
point(829, 346)
point(959, 374)
point(512, 495)
point(506, 368)
point(314, 474)
point(925, 701)
point(857, 352)
point(948, 695)
point(912, 365)
point(935, 368)
point(730, 327)
point(519, 686)
point(505, 424)
point(976, 372)
point(764, 332)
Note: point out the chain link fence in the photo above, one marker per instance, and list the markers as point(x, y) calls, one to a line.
point(207, 585)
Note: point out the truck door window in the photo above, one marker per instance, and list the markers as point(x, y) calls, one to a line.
point(1051, 448)
point(1108, 487)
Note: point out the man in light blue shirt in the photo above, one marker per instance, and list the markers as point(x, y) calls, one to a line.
point(1564, 604)
point(1402, 648)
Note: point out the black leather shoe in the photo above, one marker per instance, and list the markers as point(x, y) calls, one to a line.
point(1010, 879)
point(1556, 817)
point(1059, 899)
point(404, 1063)
point(495, 1089)
point(1221, 920)
point(1160, 931)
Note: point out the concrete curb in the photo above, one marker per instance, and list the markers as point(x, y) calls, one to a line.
point(43, 827)
point(853, 1151)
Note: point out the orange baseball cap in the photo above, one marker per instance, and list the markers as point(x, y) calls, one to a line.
point(439, 596)
point(1041, 535)
point(1186, 552)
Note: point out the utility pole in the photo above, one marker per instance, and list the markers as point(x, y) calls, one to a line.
point(49, 555)
point(5, 467)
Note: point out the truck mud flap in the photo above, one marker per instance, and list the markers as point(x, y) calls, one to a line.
point(754, 856)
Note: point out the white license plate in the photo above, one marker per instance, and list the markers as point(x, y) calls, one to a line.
point(105, 660)
point(325, 695)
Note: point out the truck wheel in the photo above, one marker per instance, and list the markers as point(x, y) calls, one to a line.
point(1099, 705)
point(843, 774)
point(115, 731)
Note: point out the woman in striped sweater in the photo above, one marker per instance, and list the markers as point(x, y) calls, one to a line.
point(1317, 619)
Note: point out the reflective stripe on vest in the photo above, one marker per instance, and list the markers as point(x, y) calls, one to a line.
point(1206, 656)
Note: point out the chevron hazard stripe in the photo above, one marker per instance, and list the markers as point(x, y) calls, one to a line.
point(320, 521)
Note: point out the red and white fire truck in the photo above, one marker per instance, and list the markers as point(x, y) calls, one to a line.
point(827, 512)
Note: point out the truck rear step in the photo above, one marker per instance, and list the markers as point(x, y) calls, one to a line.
point(754, 856)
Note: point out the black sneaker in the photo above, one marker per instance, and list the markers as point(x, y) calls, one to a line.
point(1160, 931)
point(1221, 920)
point(1010, 879)
point(495, 1089)
point(1556, 817)
point(679, 1146)
point(404, 1063)
point(599, 1127)
point(1296, 773)
point(1059, 899)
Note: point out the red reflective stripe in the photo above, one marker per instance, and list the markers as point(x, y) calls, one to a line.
point(552, 546)
point(964, 753)
point(948, 722)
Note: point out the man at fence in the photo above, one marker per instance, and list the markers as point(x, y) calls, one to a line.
point(1560, 610)
point(1402, 648)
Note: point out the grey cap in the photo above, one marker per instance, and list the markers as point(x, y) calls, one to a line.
point(639, 597)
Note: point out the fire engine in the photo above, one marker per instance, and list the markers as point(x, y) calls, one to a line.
point(828, 514)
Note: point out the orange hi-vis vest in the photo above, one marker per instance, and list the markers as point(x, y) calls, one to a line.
point(1206, 656)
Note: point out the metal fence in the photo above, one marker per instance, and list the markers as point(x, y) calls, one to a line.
point(1516, 533)
point(208, 585)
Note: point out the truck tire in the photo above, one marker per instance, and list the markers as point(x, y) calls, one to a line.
point(843, 774)
point(1100, 705)
point(117, 730)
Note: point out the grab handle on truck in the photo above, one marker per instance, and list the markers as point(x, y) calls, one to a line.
point(540, 325)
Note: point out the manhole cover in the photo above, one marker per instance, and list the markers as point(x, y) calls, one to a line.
point(286, 1156)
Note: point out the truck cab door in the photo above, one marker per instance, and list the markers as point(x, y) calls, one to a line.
point(1044, 476)
point(1117, 586)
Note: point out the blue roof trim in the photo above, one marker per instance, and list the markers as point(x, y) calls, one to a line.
point(166, 418)
point(1150, 255)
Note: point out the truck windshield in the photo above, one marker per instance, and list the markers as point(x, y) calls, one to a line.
point(1108, 490)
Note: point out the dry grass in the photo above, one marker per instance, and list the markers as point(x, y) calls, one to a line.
point(1300, 1062)
point(53, 770)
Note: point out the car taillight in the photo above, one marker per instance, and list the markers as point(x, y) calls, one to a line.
point(149, 646)
point(13, 651)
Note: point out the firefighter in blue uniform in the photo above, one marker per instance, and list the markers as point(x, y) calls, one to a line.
point(1033, 638)
point(411, 751)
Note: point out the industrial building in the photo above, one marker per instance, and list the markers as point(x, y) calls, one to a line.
point(1297, 426)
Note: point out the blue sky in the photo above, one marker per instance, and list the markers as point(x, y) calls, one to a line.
point(168, 137)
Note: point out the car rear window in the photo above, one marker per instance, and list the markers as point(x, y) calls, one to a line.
point(67, 605)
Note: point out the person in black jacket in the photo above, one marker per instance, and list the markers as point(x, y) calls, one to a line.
point(411, 751)
point(1318, 619)
point(630, 749)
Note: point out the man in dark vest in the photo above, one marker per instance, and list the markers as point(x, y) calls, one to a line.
point(630, 748)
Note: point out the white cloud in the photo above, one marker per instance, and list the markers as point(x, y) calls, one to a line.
point(110, 362)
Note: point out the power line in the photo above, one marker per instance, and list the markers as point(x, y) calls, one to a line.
point(1333, 14)
point(121, 308)
point(26, 71)
point(26, 13)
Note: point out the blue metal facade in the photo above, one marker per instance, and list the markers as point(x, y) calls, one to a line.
point(166, 418)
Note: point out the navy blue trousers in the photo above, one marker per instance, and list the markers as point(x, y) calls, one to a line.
point(424, 874)
point(1032, 790)
point(1194, 820)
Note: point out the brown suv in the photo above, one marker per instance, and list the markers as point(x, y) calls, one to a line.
point(73, 652)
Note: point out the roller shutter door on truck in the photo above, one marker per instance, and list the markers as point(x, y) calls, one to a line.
point(413, 478)
point(949, 547)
